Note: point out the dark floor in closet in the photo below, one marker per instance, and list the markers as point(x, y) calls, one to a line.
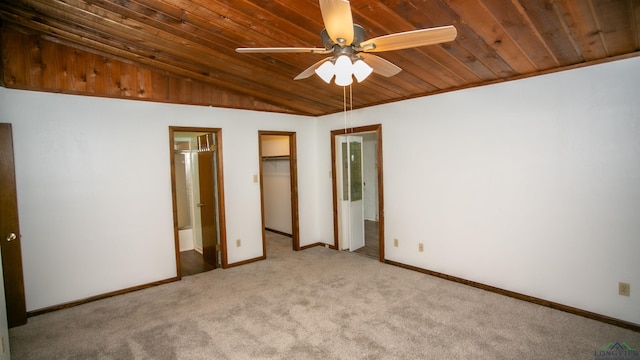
point(192, 262)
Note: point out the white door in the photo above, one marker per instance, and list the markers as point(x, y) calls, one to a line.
point(351, 194)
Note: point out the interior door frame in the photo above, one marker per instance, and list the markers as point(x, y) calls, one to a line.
point(293, 174)
point(377, 128)
point(220, 191)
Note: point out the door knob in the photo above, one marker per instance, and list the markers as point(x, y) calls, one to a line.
point(199, 204)
point(11, 236)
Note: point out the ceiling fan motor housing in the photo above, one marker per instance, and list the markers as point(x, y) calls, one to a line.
point(358, 37)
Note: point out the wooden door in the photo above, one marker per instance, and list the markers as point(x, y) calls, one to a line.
point(208, 206)
point(10, 233)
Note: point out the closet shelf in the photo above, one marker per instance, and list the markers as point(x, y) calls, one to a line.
point(274, 158)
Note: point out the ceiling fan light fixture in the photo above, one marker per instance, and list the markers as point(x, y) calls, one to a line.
point(361, 70)
point(343, 69)
point(326, 71)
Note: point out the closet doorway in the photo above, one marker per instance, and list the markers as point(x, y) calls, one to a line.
point(198, 203)
point(358, 201)
point(279, 185)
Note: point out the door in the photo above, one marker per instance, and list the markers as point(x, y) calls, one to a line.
point(10, 233)
point(207, 203)
point(352, 191)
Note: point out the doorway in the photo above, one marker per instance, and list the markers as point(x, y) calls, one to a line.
point(198, 199)
point(358, 206)
point(279, 185)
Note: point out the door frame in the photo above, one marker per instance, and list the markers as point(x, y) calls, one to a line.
point(380, 171)
point(220, 191)
point(293, 175)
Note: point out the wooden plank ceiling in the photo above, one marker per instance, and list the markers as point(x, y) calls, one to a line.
point(194, 41)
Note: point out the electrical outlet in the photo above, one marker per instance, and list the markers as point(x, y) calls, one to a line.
point(238, 243)
point(421, 247)
point(395, 242)
point(624, 289)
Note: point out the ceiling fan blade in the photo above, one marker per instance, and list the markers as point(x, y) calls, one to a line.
point(338, 20)
point(410, 39)
point(310, 70)
point(380, 66)
point(283, 50)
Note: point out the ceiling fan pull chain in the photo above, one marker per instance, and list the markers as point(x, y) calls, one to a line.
point(344, 107)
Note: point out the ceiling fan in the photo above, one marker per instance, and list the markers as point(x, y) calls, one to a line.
point(350, 51)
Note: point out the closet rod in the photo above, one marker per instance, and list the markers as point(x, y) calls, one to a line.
point(271, 158)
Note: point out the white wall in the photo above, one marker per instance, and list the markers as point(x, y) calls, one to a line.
point(531, 186)
point(94, 188)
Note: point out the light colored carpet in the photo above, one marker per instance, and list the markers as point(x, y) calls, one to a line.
point(313, 304)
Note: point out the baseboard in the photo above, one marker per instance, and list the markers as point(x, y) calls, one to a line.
point(317, 244)
point(121, 292)
point(244, 262)
point(278, 232)
point(99, 297)
point(531, 299)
